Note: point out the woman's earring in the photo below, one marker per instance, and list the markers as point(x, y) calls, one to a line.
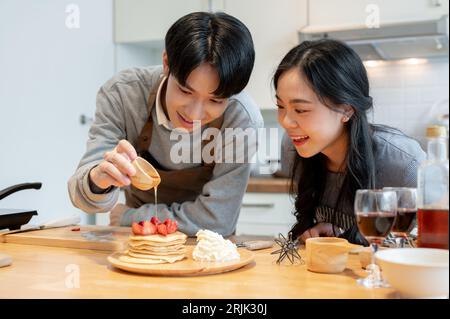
point(345, 119)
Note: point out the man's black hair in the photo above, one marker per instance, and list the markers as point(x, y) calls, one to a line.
point(215, 38)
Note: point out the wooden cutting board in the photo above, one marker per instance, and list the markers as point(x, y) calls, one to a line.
point(185, 267)
point(106, 238)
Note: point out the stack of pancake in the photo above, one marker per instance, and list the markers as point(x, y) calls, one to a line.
point(156, 249)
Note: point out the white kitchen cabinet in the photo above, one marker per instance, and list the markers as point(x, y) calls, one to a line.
point(274, 26)
point(149, 20)
point(266, 214)
point(348, 13)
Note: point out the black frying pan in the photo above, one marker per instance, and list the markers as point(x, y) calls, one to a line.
point(14, 218)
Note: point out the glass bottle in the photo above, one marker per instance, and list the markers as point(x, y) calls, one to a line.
point(432, 192)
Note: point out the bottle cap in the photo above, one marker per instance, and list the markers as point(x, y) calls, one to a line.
point(436, 131)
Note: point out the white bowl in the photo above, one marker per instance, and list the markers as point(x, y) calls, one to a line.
point(416, 272)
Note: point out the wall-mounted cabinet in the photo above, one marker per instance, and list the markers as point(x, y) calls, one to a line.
point(143, 20)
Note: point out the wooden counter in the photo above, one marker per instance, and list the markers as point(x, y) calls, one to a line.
point(268, 185)
point(48, 272)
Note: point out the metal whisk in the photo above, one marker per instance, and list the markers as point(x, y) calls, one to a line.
point(288, 248)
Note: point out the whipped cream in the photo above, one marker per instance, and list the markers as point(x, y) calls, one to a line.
point(212, 246)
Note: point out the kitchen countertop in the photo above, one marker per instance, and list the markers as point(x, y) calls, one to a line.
point(43, 272)
point(268, 185)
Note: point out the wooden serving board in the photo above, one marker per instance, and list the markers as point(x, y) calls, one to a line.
point(106, 238)
point(185, 267)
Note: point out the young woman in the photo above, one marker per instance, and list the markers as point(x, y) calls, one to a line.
point(207, 62)
point(330, 149)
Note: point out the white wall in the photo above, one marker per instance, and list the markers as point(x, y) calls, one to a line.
point(49, 76)
point(410, 97)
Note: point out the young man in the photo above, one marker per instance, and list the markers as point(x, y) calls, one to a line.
point(207, 62)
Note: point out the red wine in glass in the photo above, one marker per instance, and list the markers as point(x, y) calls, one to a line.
point(404, 222)
point(375, 226)
point(375, 212)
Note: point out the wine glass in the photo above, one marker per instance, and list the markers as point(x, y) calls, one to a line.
point(375, 214)
point(405, 220)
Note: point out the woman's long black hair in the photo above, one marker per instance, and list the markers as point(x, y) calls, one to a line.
point(338, 77)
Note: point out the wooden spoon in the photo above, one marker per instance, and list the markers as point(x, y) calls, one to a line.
point(146, 176)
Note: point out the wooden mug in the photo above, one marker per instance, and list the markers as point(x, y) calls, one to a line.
point(146, 176)
point(328, 254)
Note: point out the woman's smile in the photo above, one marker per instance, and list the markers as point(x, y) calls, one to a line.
point(299, 140)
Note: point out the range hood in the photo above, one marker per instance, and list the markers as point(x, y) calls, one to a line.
point(423, 39)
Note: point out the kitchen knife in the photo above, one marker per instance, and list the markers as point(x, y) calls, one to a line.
point(59, 222)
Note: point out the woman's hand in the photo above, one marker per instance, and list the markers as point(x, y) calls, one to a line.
point(116, 167)
point(320, 230)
